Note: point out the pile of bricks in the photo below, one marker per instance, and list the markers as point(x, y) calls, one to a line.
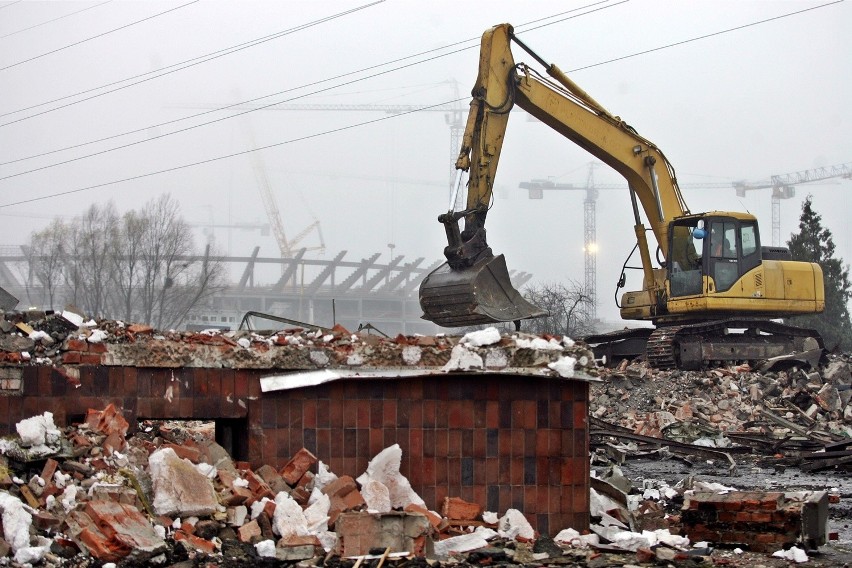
point(99, 497)
point(762, 521)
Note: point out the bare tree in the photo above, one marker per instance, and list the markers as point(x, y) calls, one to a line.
point(567, 307)
point(171, 284)
point(140, 267)
point(127, 261)
point(45, 259)
point(89, 259)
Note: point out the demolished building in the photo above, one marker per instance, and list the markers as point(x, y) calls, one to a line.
point(318, 442)
point(497, 420)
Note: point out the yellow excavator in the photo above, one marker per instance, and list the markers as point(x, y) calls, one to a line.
point(717, 293)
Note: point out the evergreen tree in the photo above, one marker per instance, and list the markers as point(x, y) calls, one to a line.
point(814, 243)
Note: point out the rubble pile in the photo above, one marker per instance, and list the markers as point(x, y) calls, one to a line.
point(169, 492)
point(796, 401)
point(66, 340)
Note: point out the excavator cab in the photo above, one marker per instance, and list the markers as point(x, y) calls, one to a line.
point(722, 247)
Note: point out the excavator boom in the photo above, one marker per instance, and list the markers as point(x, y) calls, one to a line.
point(569, 110)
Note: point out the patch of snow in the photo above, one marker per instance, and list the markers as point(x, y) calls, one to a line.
point(538, 343)
point(795, 554)
point(411, 354)
point(265, 548)
point(288, 519)
point(463, 359)
point(487, 336)
point(75, 319)
point(97, 336)
point(38, 430)
point(38, 335)
point(573, 538)
point(316, 514)
point(462, 543)
point(513, 524)
point(31, 554)
point(564, 366)
point(16, 521)
point(324, 476)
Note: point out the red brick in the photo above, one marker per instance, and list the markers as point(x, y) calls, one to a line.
point(296, 540)
point(70, 358)
point(118, 529)
point(761, 517)
point(249, 532)
point(198, 543)
point(49, 469)
point(257, 486)
point(459, 509)
point(298, 466)
point(76, 345)
point(434, 519)
point(90, 359)
point(269, 509)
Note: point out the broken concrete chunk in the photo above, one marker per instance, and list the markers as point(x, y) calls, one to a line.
point(179, 488)
point(384, 467)
point(838, 372)
point(397, 531)
point(377, 497)
point(288, 518)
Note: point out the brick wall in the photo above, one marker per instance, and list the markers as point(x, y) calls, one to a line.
point(504, 441)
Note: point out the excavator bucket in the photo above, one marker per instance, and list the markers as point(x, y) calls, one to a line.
point(477, 295)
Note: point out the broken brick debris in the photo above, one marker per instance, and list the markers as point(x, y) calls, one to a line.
point(762, 521)
point(97, 502)
point(736, 408)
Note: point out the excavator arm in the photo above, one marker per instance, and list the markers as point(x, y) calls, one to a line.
point(566, 108)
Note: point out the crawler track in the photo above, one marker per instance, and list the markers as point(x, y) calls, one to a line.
point(693, 346)
point(697, 345)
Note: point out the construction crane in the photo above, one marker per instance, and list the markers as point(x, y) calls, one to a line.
point(286, 246)
point(536, 190)
point(783, 187)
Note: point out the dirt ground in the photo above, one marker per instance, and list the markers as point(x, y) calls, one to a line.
point(768, 474)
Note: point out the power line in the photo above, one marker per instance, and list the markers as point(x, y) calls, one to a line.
point(224, 118)
point(307, 137)
point(662, 47)
point(225, 157)
point(53, 20)
point(362, 70)
point(97, 36)
point(186, 64)
point(10, 4)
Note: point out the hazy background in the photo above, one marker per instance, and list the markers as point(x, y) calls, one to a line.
point(768, 98)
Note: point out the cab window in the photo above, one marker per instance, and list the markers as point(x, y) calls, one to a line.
point(749, 239)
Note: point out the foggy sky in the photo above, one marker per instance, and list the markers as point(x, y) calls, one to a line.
point(770, 97)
